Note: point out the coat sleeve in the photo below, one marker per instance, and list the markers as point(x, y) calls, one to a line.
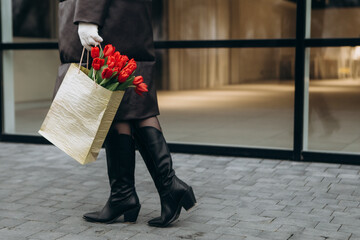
point(91, 11)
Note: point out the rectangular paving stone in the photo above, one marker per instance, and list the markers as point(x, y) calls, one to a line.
point(346, 220)
point(119, 233)
point(334, 207)
point(322, 212)
point(253, 218)
point(298, 209)
point(45, 217)
point(323, 226)
point(38, 209)
point(296, 222)
point(355, 237)
point(11, 234)
point(242, 232)
point(212, 213)
point(67, 205)
point(348, 203)
point(222, 222)
point(197, 218)
point(302, 236)
point(31, 227)
point(273, 235)
point(352, 210)
point(194, 234)
point(10, 222)
point(347, 228)
point(348, 181)
point(342, 189)
point(100, 230)
point(75, 229)
point(312, 217)
point(292, 229)
point(147, 236)
point(231, 237)
point(11, 206)
point(47, 235)
point(30, 201)
point(326, 234)
point(81, 237)
point(259, 226)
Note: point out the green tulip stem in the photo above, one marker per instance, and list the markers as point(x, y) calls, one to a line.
point(105, 81)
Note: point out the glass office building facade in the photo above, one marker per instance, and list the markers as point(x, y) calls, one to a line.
point(259, 78)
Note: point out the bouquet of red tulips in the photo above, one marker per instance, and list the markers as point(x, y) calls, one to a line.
point(81, 113)
point(114, 71)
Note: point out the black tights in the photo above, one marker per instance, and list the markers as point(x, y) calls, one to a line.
point(124, 127)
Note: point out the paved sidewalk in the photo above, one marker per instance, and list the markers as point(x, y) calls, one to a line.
point(43, 194)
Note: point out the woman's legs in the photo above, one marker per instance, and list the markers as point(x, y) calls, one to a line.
point(174, 193)
point(120, 156)
point(149, 122)
point(122, 127)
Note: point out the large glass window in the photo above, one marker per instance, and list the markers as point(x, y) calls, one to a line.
point(242, 97)
point(334, 99)
point(239, 97)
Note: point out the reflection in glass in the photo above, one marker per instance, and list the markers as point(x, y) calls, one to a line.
point(335, 19)
point(334, 99)
point(239, 97)
point(32, 20)
point(33, 87)
point(225, 19)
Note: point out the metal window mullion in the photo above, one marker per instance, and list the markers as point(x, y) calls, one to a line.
point(7, 73)
point(299, 79)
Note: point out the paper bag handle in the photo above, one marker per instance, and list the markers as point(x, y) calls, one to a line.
point(81, 59)
point(87, 57)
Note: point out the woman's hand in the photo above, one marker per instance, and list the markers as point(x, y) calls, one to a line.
point(88, 34)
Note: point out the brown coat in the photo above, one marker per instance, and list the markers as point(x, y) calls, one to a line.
point(126, 24)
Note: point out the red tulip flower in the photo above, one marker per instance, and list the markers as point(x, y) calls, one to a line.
point(109, 50)
point(116, 69)
point(141, 88)
point(111, 62)
point(127, 71)
point(107, 73)
point(95, 52)
point(122, 61)
point(122, 76)
point(98, 63)
point(138, 80)
point(117, 56)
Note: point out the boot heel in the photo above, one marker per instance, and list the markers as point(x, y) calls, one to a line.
point(188, 200)
point(132, 214)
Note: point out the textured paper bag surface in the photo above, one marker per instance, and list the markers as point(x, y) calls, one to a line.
point(80, 116)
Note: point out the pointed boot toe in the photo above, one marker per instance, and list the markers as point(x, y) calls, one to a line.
point(154, 221)
point(91, 216)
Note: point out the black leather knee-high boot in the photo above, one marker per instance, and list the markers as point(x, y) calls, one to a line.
point(123, 200)
point(174, 193)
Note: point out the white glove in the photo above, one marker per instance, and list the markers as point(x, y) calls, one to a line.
point(88, 34)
